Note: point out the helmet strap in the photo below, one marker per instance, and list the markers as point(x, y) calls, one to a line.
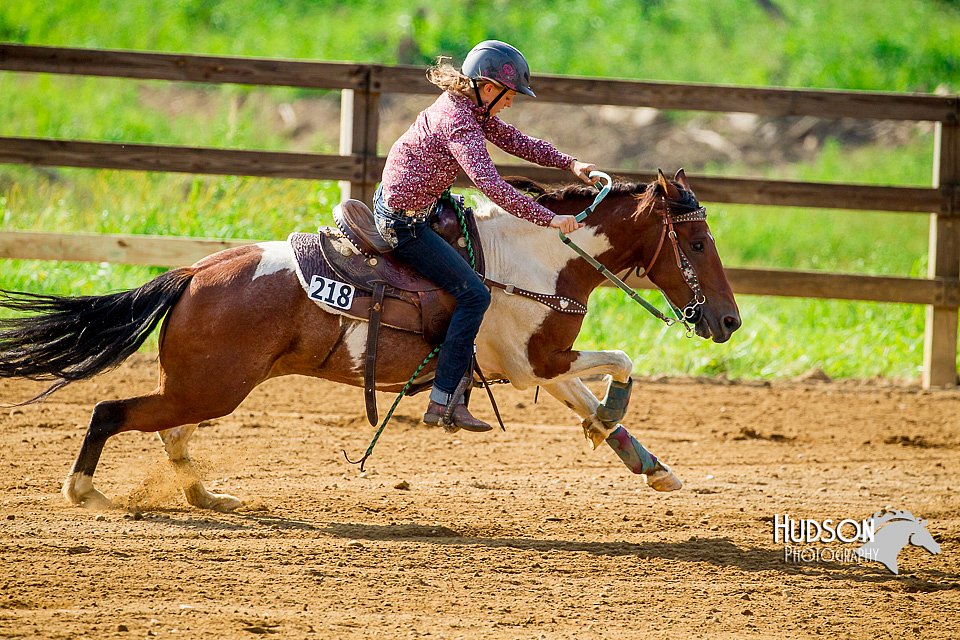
point(486, 108)
point(502, 93)
point(476, 91)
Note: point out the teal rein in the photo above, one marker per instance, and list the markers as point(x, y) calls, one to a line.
point(606, 273)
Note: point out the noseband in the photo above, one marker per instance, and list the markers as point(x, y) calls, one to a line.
point(689, 312)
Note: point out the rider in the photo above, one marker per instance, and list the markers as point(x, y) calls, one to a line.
point(423, 163)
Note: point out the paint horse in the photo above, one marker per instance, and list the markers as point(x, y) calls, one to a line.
point(240, 316)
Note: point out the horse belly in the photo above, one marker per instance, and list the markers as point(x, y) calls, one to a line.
point(504, 336)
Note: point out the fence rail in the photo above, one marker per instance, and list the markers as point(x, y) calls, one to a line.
point(358, 166)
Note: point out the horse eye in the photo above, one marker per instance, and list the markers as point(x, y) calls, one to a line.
point(697, 245)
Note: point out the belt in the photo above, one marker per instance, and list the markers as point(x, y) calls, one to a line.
point(418, 215)
point(399, 214)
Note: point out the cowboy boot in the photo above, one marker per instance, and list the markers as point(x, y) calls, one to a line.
point(460, 417)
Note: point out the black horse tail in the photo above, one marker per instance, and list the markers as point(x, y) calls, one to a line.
point(75, 338)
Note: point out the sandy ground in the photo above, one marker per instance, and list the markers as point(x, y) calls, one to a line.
point(523, 534)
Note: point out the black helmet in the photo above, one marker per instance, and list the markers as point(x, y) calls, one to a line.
point(501, 63)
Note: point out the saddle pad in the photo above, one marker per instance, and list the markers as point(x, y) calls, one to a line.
point(334, 293)
point(341, 291)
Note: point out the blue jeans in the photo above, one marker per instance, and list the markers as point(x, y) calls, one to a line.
point(420, 247)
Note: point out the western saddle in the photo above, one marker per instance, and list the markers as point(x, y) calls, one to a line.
point(386, 290)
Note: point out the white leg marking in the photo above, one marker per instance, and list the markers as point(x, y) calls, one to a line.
point(175, 442)
point(575, 395)
point(613, 362)
point(276, 256)
point(78, 489)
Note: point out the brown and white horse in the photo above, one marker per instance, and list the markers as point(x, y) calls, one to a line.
point(240, 316)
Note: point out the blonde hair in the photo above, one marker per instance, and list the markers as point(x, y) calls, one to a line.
point(447, 77)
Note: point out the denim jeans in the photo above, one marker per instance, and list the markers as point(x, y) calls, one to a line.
point(423, 249)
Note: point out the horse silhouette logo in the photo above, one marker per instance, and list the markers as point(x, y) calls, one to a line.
point(893, 531)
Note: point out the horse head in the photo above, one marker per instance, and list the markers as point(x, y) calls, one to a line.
point(918, 535)
point(677, 252)
point(659, 230)
point(924, 539)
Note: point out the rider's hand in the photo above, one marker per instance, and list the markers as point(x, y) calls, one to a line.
point(567, 224)
point(582, 170)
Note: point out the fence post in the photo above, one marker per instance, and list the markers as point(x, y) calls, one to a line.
point(359, 127)
point(940, 330)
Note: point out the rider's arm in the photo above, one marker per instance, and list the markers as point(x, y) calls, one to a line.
point(468, 146)
point(517, 143)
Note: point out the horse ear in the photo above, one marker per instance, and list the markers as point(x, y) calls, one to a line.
point(681, 177)
point(670, 191)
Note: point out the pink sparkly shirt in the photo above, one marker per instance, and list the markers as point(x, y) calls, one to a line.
point(448, 135)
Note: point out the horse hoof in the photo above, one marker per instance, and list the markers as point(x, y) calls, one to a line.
point(96, 501)
point(662, 479)
point(78, 490)
point(224, 502)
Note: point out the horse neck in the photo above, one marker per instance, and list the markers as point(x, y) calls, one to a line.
point(533, 257)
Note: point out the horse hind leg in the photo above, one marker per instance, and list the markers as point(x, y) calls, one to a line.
point(159, 411)
point(78, 488)
point(175, 442)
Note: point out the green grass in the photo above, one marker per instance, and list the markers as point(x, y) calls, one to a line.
point(835, 44)
point(907, 46)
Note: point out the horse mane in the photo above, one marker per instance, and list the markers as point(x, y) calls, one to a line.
point(644, 192)
point(574, 190)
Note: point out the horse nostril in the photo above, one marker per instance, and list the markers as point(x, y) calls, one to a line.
point(731, 323)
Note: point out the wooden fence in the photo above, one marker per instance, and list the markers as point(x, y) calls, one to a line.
point(358, 166)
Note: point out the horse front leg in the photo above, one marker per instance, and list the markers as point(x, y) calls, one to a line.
point(563, 371)
point(571, 391)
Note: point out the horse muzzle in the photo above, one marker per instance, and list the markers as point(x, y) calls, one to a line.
point(715, 326)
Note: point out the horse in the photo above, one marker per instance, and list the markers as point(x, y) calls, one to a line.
point(240, 316)
point(899, 528)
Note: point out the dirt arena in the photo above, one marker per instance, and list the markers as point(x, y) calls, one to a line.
point(523, 534)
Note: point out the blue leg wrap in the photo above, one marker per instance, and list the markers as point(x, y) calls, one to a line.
point(614, 405)
point(633, 454)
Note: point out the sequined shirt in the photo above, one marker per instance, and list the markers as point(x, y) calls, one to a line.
point(450, 134)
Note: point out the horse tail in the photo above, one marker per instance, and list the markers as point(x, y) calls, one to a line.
point(75, 338)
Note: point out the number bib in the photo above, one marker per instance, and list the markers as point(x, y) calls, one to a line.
point(332, 292)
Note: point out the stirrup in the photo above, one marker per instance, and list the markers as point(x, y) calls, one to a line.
point(457, 397)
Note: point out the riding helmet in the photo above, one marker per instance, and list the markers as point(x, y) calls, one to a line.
point(501, 63)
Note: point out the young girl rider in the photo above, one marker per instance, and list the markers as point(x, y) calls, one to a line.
point(449, 135)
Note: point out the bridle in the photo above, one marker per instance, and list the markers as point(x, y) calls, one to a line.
point(691, 312)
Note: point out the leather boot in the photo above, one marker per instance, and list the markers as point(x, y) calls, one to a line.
point(461, 417)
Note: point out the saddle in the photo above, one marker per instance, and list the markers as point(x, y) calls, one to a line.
point(351, 269)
